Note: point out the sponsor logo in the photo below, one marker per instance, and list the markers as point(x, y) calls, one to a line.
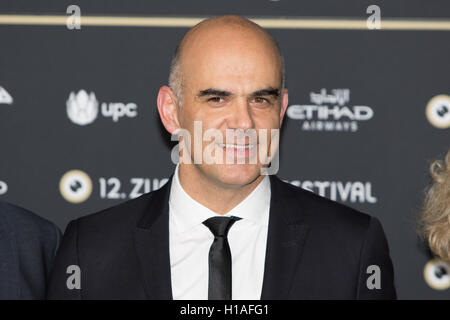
point(83, 108)
point(3, 187)
point(353, 192)
point(112, 188)
point(5, 97)
point(437, 274)
point(330, 112)
point(75, 186)
point(438, 111)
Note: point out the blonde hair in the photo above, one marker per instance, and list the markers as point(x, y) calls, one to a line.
point(435, 215)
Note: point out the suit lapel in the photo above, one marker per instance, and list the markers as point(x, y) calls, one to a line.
point(152, 245)
point(286, 239)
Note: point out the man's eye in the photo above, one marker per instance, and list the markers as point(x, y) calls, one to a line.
point(216, 99)
point(260, 100)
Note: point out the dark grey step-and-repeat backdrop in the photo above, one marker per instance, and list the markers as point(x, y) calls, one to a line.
point(368, 109)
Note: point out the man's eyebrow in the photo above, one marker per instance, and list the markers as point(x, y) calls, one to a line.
point(266, 92)
point(269, 91)
point(214, 92)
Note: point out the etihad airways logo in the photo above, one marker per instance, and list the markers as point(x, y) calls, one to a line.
point(83, 108)
point(330, 112)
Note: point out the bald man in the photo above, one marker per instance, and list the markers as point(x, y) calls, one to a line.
point(224, 226)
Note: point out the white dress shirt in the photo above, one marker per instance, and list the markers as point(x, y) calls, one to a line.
point(190, 241)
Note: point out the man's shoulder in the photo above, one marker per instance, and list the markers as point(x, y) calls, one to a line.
point(319, 211)
point(121, 217)
point(24, 223)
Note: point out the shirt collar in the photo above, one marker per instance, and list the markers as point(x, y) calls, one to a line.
point(188, 213)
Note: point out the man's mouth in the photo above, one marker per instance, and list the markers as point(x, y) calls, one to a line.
point(236, 146)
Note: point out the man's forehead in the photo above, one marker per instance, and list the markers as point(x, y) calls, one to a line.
point(231, 69)
point(236, 58)
point(235, 83)
point(225, 41)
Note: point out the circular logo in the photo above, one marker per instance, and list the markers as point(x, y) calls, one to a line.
point(75, 186)
point(82, 109)
point(437, 274)
point(3, 187)
point(438, 111)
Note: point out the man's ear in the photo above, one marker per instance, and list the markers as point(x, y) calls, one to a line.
point(168, 109)
point(284, 104)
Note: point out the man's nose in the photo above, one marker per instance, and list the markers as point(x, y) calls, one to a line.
point(241, 116)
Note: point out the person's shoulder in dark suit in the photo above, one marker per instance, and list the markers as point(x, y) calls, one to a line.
point(321, 212)
point(355, 242)
point(28, 245)
point(101, 244)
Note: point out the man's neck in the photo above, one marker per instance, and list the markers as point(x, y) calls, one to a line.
point(217, 197)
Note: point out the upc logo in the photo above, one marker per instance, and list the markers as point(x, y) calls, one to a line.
point(82, 109)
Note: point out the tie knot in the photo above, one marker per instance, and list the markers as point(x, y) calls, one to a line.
point(220, 226)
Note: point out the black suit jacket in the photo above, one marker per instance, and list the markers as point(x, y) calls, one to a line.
point(28, 246)
point(316, 249)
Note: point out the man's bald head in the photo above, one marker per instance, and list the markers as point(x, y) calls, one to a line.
point(205, 29)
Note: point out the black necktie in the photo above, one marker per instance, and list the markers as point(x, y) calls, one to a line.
point(219, 287)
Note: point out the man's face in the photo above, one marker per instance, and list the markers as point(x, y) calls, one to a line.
point(231, 82)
